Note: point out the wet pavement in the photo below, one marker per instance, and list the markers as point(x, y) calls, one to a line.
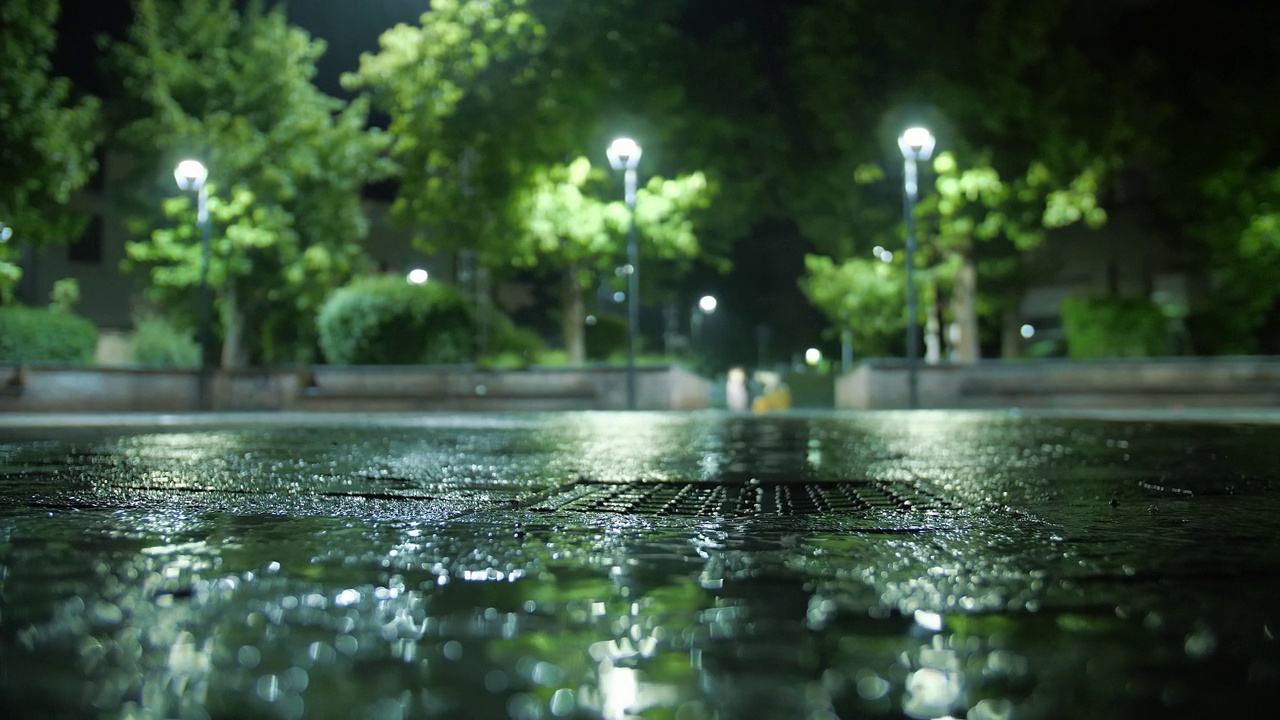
point(613, 565)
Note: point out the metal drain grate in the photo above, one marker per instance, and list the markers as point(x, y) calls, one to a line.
point(741, 499)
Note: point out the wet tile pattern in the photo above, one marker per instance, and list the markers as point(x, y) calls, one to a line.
point(597, 565)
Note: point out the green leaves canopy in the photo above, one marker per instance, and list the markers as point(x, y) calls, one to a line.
point(47, 136)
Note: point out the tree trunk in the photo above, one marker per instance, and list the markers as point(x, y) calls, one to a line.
point(575, 343)
point(965, 307)
point(933, 329)
point(1010, 334)
point(233, 337)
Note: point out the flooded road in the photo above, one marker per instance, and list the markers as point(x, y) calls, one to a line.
point(615, 565)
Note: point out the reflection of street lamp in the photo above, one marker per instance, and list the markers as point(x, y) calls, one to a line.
point(191, 175)
point(624, 154)
point(916, 144)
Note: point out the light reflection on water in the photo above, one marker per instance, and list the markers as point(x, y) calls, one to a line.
point(181, 612)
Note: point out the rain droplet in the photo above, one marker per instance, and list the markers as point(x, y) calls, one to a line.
point(1201, 643)
point(248, 656)
point(453, 650)
point(562, 702)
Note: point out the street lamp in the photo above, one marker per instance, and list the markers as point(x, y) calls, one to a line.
point(191, 175)
point(624, 154)
point(916, 144)
point(706, 305)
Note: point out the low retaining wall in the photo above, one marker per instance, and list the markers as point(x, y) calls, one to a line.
point(35, 388)
point(1148, 383)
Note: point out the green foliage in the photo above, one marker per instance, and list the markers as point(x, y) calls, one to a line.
point(158, 342)
point(1114, 327)
point(286, 164)
point(565, 225)
point(454, 166)
point(65, 294)
point(607, 337)
point(511, 347)
point(47, 136)
point(482, 93)
point(867, 296)
point(30, 335)
point(385, 320)
point(564, 221)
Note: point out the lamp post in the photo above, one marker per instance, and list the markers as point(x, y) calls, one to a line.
point(916, 144)
point(624, 154)
point(697, 317)
point(191, 175)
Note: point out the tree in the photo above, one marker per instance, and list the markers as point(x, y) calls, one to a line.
point(864, 296)
point(430, 79)
point(47, 137)
point(564, 225)
point(1033, 127)
point(287, 166)
point(488, 99)
point(973, 206)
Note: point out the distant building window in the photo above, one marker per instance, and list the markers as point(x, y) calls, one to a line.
point(88, 249)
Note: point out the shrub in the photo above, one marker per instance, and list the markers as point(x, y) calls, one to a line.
point(30, 335)
point(1114, 327)
point(385, 320)
point(157, 342)
point(511, 347)
point(607, 337)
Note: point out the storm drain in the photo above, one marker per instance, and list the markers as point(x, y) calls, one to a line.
point(741, 499)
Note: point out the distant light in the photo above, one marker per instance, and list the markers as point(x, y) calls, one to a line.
point(813, 356)
point(886, 256)
point(707, 304)
point(590, 320)
point(624, 154)
point(190, 174)
point(619, 297)
point(877, 251)
point(417, 276)
point(1027, 331)
point(6, 232)
point(917, 143)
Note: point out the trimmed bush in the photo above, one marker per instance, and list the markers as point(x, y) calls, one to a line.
point(607, 338)
point(387, 321)
point(1114, 327)
point(157, 342)
point(511, 347)
point(30, 335)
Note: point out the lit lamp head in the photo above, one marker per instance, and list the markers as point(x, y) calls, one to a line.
point(190, 175)
point(916, 143)
point(624, 154)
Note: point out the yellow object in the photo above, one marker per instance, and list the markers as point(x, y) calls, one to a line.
point(776, 399)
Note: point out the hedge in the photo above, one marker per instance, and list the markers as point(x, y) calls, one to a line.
point(386, 320)
point(39, 335)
